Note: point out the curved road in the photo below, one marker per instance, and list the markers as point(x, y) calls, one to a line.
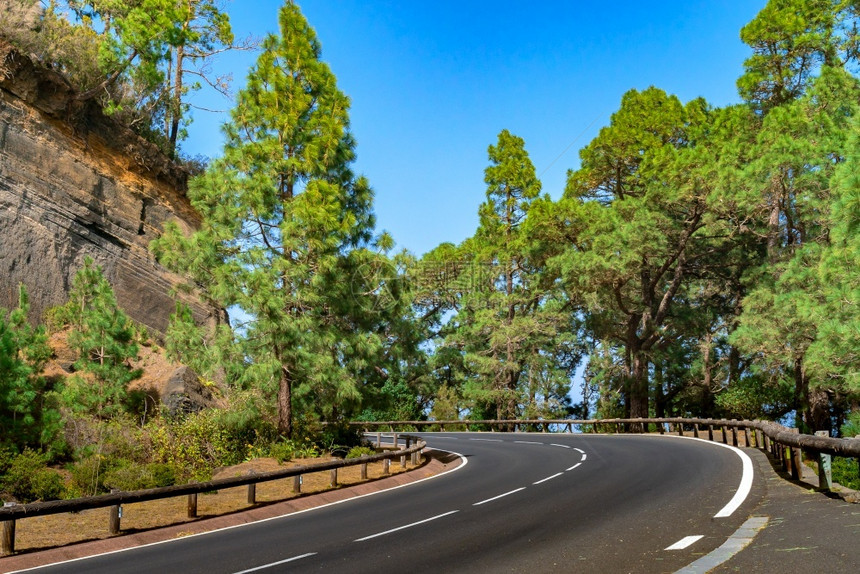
point(522, 503)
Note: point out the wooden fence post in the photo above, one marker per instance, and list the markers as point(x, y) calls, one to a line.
point(333, 478)
point(797, 463)
point(402, 461)
point(297, 483)
point(394, 441)
point(680, 429)
point(696, 430)
point(747, 437)
point(825, 477)
point(711, 432)
point(725, 435)
point(734, 435)
point(115, 516)
point(7, 536)
point(364, 471)
point(192, 505)
point(385, 465)
point(252, 490)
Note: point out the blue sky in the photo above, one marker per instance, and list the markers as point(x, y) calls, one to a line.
point(433, 83)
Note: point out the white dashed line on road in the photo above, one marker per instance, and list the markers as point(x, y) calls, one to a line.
point(499, 496)
point(405, 526)
point(685, 542)
point(548, 478)
point(273, 564)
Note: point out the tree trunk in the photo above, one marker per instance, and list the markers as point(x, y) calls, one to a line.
point(285, 404)
point(175, 106)
point(801, 395)
point(639, 387)
point(659, 395)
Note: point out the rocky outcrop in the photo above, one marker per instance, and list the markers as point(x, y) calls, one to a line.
point(185, 393)
point(74, 183)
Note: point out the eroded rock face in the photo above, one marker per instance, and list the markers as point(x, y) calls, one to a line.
point(73, 183)
point(184, 393)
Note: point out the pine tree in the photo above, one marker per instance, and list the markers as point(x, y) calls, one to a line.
point(508, 326)
point(285, 223)
point(28, 417)
point(103, 336)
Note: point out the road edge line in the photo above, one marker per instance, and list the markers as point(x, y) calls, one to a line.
point(739, 540)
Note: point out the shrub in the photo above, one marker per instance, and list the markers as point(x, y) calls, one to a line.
point(198, 444)
point(28, 478)
point(130, 475)
point(339, 437)
point(845, 471)
point(88, 475)
point(359, 451)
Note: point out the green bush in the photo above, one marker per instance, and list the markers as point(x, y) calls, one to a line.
point(845, 472)
point(282, 451)
point(339, 437)
point(28, 478)
point(88, 475)
point(162, 474)
point(130, 476)
point(359, 451)
point(198, 444)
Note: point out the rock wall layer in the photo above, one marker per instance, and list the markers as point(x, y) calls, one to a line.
point(73, 183)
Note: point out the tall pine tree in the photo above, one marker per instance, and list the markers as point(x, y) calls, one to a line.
point(284, 219)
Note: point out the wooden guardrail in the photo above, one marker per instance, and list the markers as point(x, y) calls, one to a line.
point(783, 443)
point(11, 512)
point(774, 431)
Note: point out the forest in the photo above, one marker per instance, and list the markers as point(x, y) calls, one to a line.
point(701, 261)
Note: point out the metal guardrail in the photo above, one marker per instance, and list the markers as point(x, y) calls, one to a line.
point(12, 512)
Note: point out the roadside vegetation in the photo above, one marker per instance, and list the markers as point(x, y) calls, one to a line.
point(701, 261)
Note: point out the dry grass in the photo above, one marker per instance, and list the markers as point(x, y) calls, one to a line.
point(42, 532)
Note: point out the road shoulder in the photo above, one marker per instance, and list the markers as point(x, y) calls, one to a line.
point(806, 531)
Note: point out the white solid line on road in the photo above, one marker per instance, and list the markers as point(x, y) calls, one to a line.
point(487, 439)
point(273, 564)
point(579, 450)
point(574, 466)
point(405, 526)
point(548, 478)
point(561, 445)
point(736, 542)
point(527, 442)
point(743, 489)
point(447, 437)
point(499, 496)
point(684, 542)
point(746, 477)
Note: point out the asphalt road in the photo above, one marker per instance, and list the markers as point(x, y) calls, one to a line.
point(522, 503)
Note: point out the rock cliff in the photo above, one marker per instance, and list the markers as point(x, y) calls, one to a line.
point(74, 183)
